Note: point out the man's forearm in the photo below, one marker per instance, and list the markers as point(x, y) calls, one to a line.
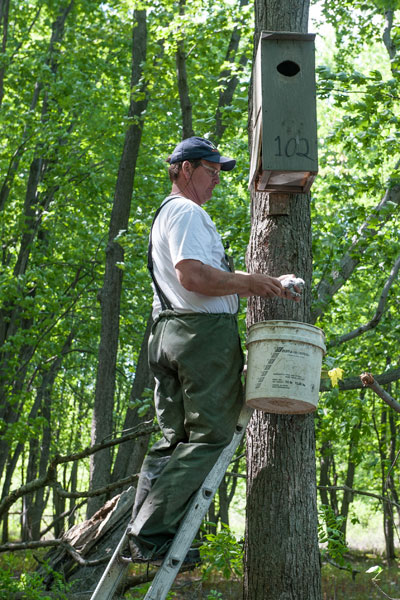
point(204, 279)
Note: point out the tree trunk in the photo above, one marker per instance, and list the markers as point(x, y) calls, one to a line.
point(27, 501)
point(325, 456)
point(227, 81)
point(131, 454)
point(351, 469)
point(388, 522)
point(183, 87)
point(4, 11)
point(393, 451)
point(39, 504)
point(102, 421)
point(386, 453)
point(281, 547)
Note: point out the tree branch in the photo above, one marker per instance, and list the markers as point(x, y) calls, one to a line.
point(378, 313)
point(382, 592)
point(66, 513)
point(368, 380)
point(98, 492)
point(145, 429)
point(354, 383)
point(345, 488)
point(15, 546)
point(328, 287)
point(387, 34)
point(50, 477)
point(328, 560)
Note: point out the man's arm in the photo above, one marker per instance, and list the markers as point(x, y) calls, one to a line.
point(197, 277)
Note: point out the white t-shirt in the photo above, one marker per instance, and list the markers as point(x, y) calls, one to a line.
point(183, 230)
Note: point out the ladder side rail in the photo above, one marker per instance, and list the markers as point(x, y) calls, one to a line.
point(115, 570)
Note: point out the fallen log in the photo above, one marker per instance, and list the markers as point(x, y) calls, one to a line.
point(94, 541)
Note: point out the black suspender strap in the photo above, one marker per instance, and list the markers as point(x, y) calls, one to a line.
point(165, 303)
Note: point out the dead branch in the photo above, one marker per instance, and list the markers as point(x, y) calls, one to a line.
point(354, 383)
point(34, 545)
point(368, 380)
point(50, 477)
point(98, 492)
point(378, 313)
point(328, 286)
point(345, 488)
point(60, 517)
point(382, 592)
point(145, 429)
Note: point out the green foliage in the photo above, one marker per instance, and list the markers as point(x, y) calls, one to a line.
point(144, 403)
point(214, 595)
point(331, 536)
point(358, 83)
point(29, 585)
point(221, 552)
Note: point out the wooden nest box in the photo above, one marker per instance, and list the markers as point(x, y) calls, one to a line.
point(284, 156)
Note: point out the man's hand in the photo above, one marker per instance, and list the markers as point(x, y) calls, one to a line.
point(293, 286)
point(262, 285)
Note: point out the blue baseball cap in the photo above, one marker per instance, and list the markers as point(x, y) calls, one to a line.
point(197, 147)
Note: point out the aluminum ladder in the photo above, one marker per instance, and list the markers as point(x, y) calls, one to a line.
point(166, 574)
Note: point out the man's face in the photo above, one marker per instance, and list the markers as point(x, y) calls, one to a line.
point(203, 180)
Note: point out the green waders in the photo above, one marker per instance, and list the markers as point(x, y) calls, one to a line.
point(197, 363)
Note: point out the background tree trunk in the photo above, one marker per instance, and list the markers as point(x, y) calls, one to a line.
point(281, 548)
point(351, 470)
point(102, 421)
point(131, 454)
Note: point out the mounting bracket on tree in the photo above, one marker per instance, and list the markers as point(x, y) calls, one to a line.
point(284, 152)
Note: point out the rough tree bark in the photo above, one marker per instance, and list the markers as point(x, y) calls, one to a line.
point(281, 547)
point(102, 421)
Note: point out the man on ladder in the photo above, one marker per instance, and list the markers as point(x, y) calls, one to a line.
point(194, 348)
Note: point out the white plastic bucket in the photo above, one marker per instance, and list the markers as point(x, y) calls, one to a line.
point(284, 366)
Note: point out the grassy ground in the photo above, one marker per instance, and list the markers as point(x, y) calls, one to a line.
point(341, 585)
point(336, 584)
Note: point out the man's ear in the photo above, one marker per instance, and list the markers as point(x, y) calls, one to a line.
point(186, 169)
